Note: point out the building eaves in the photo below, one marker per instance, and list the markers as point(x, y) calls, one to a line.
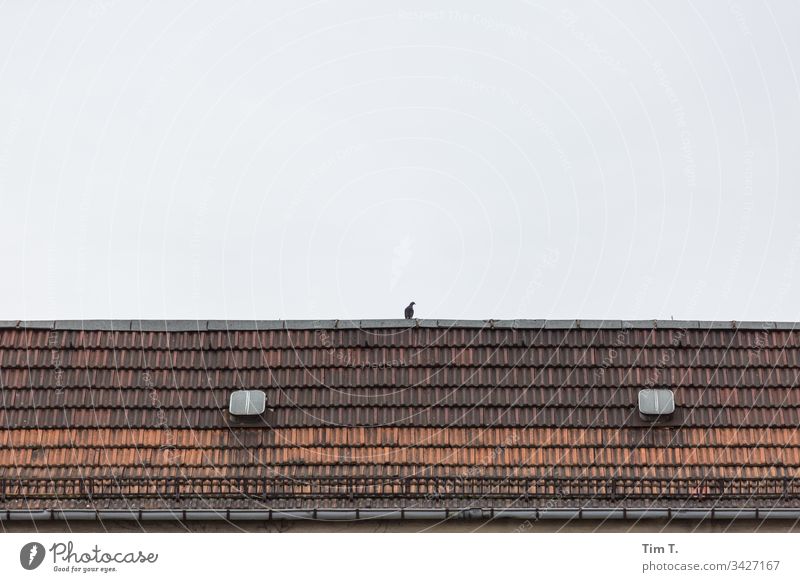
point(342, 514)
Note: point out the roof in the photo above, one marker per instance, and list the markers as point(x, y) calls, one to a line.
point(443, 414)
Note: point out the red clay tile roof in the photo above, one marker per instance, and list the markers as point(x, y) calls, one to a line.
point(441, 414)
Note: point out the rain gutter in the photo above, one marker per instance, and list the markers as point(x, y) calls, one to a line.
point(398, 514)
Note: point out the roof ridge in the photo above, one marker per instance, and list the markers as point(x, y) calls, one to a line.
point(189, 325)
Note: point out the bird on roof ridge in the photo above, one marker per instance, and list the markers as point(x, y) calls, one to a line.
point(410, 310)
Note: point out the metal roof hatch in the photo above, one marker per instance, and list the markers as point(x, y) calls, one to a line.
point(656, 402)
point(247, 407)
point(248, 403)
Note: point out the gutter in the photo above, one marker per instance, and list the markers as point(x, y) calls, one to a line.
point(398, 514)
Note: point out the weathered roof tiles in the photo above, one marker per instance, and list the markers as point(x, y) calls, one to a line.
point(396, 413)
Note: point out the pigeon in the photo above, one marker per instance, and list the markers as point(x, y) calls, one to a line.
point(410, 310)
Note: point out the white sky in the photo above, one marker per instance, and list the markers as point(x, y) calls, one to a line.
point(339, 159)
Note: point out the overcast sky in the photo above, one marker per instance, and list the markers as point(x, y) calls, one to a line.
point(305, 160)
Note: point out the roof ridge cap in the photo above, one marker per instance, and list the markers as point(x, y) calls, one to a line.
point(189, 325)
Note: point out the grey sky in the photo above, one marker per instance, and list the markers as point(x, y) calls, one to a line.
point(340, 159)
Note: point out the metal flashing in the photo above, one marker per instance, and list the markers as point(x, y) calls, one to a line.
point(45, 324)
point(190, 325)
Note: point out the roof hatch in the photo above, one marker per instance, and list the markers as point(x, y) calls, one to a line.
point(247, 403)
point(656, 402)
